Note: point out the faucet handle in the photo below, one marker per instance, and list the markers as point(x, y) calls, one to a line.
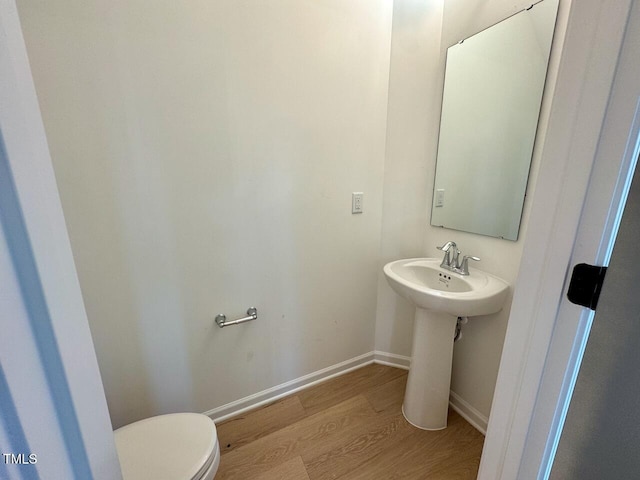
point(447, 246)
point(464, 268)
point(446, 261)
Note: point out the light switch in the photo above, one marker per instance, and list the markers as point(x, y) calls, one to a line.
point(440, 197)
point(356, 202)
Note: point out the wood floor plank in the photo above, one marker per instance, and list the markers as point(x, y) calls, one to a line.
point(348, 428)
point(347, 457)
point(258, 423)
point(359, 381)
point(464, 467)
point(293, 469)
point(319, 432)
point(388, 397)
point(425, 454)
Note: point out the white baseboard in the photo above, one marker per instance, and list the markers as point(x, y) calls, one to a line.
point(391, 359)
point(272, 394)
point(469, 413)
point(238, 407)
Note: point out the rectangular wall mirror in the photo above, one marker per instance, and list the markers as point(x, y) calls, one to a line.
point(493, 89)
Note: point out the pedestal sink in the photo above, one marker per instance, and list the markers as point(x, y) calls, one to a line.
point(440, 297)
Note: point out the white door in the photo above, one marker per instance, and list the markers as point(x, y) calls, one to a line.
point(590, 150)
point(614, 165)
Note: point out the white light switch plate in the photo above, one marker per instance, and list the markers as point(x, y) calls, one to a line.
point(356, 202)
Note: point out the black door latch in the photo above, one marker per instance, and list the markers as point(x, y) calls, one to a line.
point(586, 284)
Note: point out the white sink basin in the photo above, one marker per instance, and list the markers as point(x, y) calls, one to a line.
point(428, 286)
point(440, 297)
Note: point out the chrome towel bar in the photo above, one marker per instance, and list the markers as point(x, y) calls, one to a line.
point(221, 318)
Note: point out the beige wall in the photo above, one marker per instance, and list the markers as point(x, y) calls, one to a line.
point(412, 144)
point(415, 94)
point(206, 153)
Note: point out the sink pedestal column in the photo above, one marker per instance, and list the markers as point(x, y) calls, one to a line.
point(426, 398)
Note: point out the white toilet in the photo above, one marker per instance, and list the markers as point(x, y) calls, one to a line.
point(178, 446)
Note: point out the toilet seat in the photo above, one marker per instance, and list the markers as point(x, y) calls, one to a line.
point(178, 446)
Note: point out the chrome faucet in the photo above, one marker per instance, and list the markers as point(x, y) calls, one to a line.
point(451, 259)
point(446, 248)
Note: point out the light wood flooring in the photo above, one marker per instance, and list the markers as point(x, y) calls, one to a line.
point(350, 427)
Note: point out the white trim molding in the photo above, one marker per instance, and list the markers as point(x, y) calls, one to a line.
point(251, 402)
point(51, 397)
point(272, 394)
point(391, 359)
point(468, 412)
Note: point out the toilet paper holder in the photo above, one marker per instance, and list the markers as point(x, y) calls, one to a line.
point(221, 318)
